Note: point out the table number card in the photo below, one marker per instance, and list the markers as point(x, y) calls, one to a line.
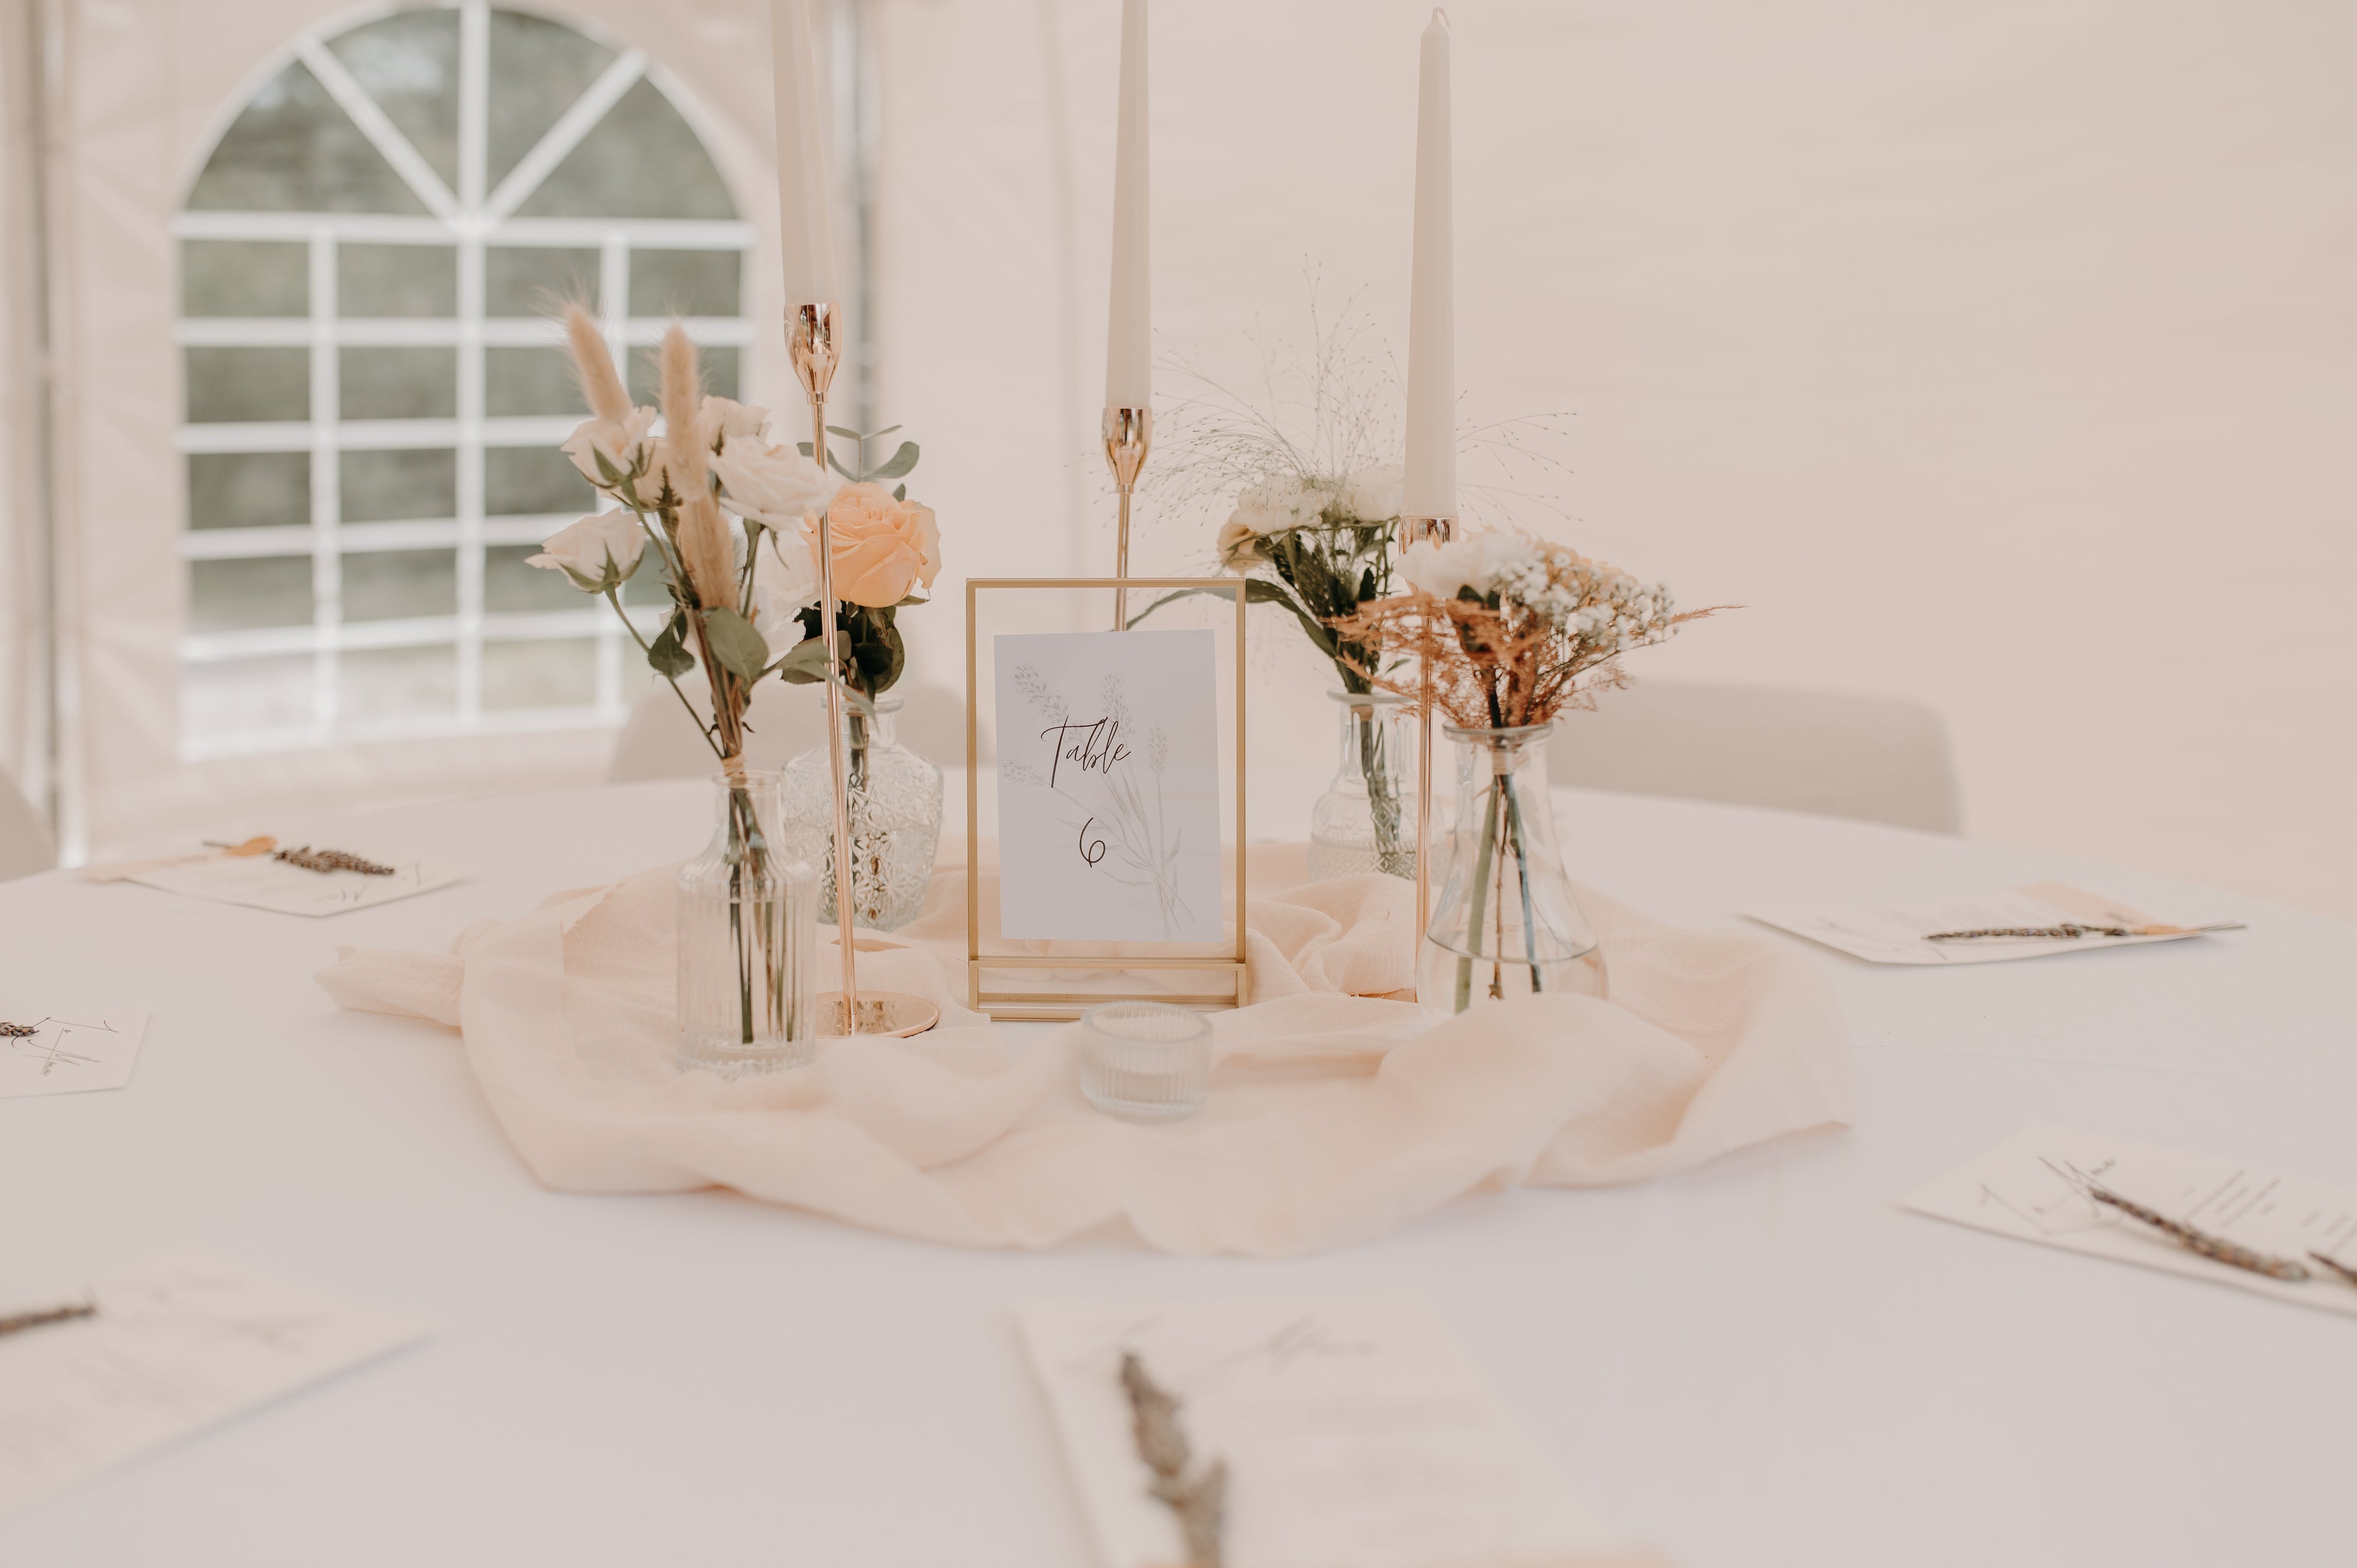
point(1108, 795)
point(66, 1050)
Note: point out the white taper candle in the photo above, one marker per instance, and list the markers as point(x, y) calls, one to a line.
point(1129, 349)
point(1430, 485)
point(805, 218)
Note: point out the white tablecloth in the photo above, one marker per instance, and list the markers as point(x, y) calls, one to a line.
point(1760, 1362)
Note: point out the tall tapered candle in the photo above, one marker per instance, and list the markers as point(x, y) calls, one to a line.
point(805, 220)
point(1430, 485)
point(1129, 353)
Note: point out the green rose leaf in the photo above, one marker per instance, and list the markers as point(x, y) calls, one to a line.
point(734, 643)
point(669, 656)
point(806, 665)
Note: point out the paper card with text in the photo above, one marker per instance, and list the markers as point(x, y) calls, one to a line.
point(49, 1049)
point(1901, 933)
point(1108, 786)
point(264, 883)
point(2031, 1186)
point(1354, 1429)
point(177, 1343)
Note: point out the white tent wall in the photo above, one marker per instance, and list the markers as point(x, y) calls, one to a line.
point(152, 83)
point(2000, 356)
point(1994, 356)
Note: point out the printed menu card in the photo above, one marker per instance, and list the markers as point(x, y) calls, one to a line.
point(177, 1343)
point(64, 1050)
point(2033, 1186)
point(1353, 1430)
point(1901, 933)
point(1108, 786)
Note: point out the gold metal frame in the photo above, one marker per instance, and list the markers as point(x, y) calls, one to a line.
point(1061, 1004)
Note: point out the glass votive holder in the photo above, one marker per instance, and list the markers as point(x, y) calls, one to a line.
point(1144, 1061)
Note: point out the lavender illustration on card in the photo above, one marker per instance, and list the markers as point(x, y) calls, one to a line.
point(1109, 822)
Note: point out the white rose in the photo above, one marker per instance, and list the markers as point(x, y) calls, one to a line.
point(773, 486)
point(597, 552)
point(1278, 503)
point(723, 421)
point(785, 583)
point(624, 444)
point(1372, 495)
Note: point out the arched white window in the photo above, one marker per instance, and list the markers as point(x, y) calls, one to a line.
point(373, 393)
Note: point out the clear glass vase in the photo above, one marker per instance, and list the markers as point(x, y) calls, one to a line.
point(748, 939)
point(1366, 819)
point(896, 820)
point(1505, 922)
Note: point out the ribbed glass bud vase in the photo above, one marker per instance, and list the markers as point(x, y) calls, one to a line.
point(748, 939)
point(1366, 819)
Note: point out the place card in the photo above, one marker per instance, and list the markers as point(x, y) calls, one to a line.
point(1354, 1430)
point(1896, 933)
point(2029, 1186)
point(260, 882)
point(70, 1048)
point(1108, 795)
point(179, 1344)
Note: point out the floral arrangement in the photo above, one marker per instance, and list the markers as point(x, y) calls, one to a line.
point(732, 518)
point(1499, 632)
point(1502, 626)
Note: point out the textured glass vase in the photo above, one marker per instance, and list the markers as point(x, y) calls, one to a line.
point(748, 939)
point(896, 820)
point(1366, 819)
point(1505, 923)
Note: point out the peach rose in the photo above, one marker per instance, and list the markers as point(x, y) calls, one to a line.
point(883, 548)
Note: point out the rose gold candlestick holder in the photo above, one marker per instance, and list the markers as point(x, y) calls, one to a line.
point(812, 343)
point(1128, 433)
point(1412, 529)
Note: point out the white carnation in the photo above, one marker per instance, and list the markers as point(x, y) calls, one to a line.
point(1372, 495)
point(1282, 502)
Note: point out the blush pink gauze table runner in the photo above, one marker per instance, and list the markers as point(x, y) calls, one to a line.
point(1335, 1116)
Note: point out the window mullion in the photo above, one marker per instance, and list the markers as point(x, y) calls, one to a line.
point(327, 487)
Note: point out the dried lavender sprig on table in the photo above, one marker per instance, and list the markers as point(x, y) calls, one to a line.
point(18, 1031)
point(327, 860)
point(1200, 1502)
point(2343, 1270)
point(24, 1320)
point(2215, 1248)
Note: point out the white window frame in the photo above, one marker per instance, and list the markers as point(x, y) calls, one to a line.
point(468, 219)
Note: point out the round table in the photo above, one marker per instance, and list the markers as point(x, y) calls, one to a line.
point(1762, 1361)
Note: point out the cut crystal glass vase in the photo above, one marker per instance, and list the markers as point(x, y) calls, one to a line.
point(1505, 923)
point(748, 939)
point(896, 820)
point(1366, 819)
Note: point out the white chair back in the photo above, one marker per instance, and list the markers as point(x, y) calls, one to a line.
point(25, 846)
point(1874, 758)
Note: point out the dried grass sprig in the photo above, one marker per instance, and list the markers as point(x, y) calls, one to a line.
point(327, 860)
point(1198, 1501)
point(593, 366)
point(2217, 1249)
point(704, 548)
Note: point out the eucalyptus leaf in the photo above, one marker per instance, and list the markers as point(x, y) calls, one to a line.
point(899, 492)
point(900, 463)
point(739, 648)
